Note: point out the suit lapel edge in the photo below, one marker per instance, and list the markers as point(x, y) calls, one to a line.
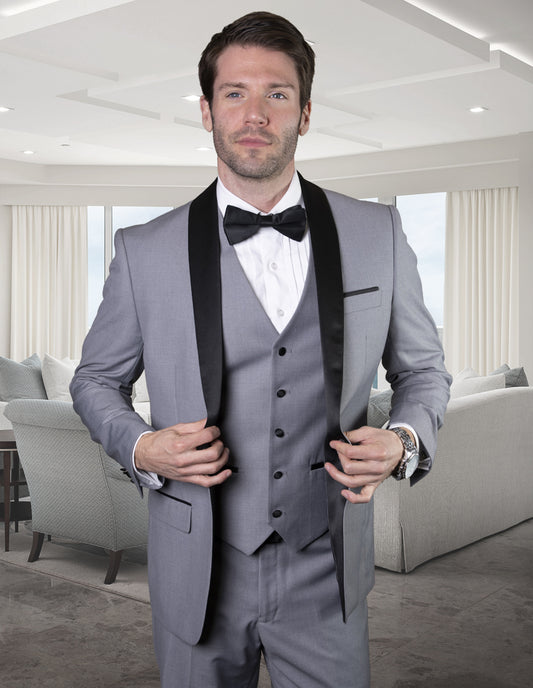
point(327, 262)
point(204, 268)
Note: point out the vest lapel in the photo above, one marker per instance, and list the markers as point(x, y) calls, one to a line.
point(204, 267)
point(327, 261)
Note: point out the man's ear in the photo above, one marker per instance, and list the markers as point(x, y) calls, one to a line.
point(305, 119)
point(207, 120)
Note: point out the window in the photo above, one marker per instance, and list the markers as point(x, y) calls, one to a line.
point(424, 222)
point(102, 223)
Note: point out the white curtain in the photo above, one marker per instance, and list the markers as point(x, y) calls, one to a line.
point(49, 281)
point(481, 283)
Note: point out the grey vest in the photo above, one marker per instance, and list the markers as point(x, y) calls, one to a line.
point(273, 418)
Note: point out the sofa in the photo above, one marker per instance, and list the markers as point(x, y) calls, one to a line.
point(481, 482)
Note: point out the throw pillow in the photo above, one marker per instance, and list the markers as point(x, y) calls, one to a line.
point(514, 377)
point(465, 374)
point(57, 375)
point(21, 380)
point(476, 384)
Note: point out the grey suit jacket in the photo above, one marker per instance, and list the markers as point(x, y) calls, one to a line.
point(161, 312)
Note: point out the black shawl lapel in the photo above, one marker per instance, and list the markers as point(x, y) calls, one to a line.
point(327, 261)
point(204, 267)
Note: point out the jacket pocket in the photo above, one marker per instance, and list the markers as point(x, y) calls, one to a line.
point(171, 510)
point(362, 299)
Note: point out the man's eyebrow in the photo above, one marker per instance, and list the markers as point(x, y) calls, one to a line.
point(240, 84)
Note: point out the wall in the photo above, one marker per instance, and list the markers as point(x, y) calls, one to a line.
point(5, 278)
point(501, 162)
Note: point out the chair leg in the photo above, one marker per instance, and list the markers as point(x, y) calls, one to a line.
point(112, 569)
point(36, 545)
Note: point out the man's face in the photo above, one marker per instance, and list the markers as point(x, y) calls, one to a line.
point(255, 115)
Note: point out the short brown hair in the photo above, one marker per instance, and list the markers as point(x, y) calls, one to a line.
point(267, 31)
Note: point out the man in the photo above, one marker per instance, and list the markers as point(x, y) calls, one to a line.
point(259, 351)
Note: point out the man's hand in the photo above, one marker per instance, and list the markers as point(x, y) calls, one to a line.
point(173, 453)
point(366, 462)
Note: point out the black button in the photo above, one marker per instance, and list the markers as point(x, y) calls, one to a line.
point(281, 393)
point(279, 432)
point(282, 351)
point(278, 475)
point(277, 513)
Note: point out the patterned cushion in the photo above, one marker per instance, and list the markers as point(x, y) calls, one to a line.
point(514, 377)
point(379, 408)
point(21, 380)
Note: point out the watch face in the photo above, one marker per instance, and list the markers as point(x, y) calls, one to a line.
point(411, 465)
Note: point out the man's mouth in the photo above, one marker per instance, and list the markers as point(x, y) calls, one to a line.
point(252, 142)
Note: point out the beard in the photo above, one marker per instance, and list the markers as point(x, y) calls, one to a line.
point(253, 163)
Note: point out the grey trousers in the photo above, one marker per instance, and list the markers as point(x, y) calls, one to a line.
point(278, 601)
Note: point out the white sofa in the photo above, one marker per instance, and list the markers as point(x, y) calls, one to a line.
point(481, 482)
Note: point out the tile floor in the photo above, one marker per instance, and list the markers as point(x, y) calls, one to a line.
point(464, 620)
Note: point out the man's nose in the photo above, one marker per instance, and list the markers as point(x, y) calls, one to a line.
point(256, 112)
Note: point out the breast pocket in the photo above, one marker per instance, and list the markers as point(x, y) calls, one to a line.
point(362, 299)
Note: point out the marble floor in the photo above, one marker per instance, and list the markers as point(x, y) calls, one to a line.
point(464, 620)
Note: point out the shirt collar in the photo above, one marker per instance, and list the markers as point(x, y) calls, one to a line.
point(293, 196)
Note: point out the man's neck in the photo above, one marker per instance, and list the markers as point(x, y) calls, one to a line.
point(263, 194)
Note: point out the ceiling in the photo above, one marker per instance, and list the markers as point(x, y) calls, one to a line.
point(105, 85)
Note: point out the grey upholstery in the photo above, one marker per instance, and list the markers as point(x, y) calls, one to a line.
point(481, 482)
point(76, 490)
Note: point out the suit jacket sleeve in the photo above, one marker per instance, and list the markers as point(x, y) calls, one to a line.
point(112, 359)
point(413, 355)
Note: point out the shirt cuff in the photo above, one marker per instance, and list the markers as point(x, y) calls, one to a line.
point(147, 479)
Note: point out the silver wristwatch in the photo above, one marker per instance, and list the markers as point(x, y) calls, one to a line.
point(409, 461)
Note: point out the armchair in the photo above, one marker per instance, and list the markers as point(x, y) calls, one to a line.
point(77, 491)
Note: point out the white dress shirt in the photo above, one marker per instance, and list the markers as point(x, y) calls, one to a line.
point(276, 266)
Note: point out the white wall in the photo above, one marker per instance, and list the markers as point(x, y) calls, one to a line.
point(492, 163)
point(525, 305)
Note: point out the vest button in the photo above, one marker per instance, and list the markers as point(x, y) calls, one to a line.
point(282, 351)
point(277, 513)
point(281, 393)
point(278, 475)
point(279, 432)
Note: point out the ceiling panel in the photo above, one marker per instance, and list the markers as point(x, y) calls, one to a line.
point(109, 76)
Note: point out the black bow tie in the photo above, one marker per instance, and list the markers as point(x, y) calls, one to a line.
point(241, 224)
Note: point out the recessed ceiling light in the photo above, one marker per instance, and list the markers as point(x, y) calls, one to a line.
point(203, 149)
point(478, 108)
point(14, 8)
point(4, 108)
point(28, 152)
point(192, 98)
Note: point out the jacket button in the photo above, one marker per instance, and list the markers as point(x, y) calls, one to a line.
point(278, 475)
point(281, 393)
point(279, 432)
point(282, 351)
point(277, 513)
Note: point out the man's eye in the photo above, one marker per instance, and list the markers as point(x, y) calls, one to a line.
point(279, 96)
point(233, 94)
